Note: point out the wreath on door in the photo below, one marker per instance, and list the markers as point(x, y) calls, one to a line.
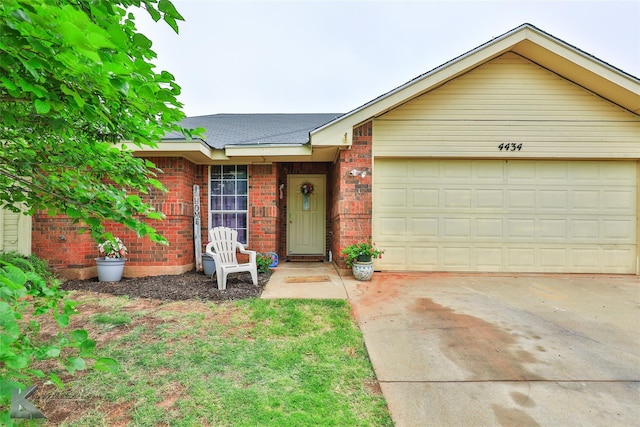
point(306, 188)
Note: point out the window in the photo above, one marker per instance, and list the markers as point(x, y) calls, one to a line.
point(228, 205)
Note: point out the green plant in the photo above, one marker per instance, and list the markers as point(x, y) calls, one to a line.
point(353, 251)
point(112, 247)
point(77, 77)
point(264, 262)
point(26, 294)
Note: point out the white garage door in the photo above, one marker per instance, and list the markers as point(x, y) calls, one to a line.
point(505, 215)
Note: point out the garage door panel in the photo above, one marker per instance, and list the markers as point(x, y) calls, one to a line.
point(423, 198)
point(489, 228)
point(393, 228)
point(617, 259)
point(586, 201)
point(506, 215)
point(553, 259)
point(456, 258)
point(521, 199)
point(619, 200)
point(584, 230)
point(489, 258)
point(553, 230)
point(455, 198)
point(618, 230)
point(456, 228)
point(393, 198)
point(520, 259)
point(554, 200)
point(427, 256)
point(423, 227)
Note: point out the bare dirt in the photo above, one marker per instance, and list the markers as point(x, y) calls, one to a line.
point(191, 285)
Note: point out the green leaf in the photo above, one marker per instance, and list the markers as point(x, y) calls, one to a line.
point(43, 106)
point(169, 9)
point(106, 364)
point(73, 212)
point(52, 352)
point(62, 319)
point(56, 380)
point(13, 277)
point(142, 41)
point(76, 364)
point(79, 335)
point(121, 85)
point(16, 362)
point(87, 347)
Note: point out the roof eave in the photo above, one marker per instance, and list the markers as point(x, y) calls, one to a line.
point(196, 152)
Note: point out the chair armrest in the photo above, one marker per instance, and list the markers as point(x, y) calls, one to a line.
point(252, 254)
point(207, 249)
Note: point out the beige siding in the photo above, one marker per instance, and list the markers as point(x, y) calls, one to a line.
point(508, 100)
point(506, 216)
point(15, 232)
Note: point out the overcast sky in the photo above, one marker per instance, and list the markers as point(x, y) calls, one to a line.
point(333, 56)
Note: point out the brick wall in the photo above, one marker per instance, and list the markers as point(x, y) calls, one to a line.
point(351, 206)
point(57, 240)
point(348, 215)
point(264, 208)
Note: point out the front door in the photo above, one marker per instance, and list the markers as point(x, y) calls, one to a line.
point(306, 215)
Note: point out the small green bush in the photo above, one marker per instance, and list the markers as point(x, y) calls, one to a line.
point(264, 261)
point(30, 263)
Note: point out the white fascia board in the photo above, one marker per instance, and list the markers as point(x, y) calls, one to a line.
point(268, 150)
point(196, 151)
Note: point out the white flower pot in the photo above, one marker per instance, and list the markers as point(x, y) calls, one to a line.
point(110, 269)
point(362, 271)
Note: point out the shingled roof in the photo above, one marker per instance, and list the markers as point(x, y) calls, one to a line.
point(224, 130)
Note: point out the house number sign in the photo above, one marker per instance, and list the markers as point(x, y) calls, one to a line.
point(510, 147)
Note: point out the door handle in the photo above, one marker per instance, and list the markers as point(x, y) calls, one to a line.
point(290, 218)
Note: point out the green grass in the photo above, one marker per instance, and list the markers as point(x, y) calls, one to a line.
point(248, 363)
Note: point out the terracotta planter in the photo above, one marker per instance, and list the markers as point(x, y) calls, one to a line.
point(110, 269)
point(362, 271)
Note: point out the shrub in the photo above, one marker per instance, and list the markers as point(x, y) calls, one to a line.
point(264, 261)
point(27, 287)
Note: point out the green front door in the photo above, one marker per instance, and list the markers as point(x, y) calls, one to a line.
point(306, 215)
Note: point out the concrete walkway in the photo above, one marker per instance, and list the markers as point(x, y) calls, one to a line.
point(303, 280)
point(494, 350)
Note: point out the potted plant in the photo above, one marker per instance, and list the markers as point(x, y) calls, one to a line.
point(112, 258)
point(359, 256)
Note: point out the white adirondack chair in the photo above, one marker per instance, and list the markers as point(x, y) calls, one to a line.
point(222, 247)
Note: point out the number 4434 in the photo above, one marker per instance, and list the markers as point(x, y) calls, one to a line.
point(510, 147)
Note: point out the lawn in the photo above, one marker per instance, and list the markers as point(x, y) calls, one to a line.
point(245, 363)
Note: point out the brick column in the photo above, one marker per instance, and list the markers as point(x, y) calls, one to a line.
point(351, 206)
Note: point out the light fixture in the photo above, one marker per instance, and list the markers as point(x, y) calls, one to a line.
point(356, 172)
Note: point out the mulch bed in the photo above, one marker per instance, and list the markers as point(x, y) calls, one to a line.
point(191, 285)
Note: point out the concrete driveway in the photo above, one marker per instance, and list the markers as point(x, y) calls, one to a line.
point(503, 350)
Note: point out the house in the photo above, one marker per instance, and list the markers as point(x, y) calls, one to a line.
point(522, 155)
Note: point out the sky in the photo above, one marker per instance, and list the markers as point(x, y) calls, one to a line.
point(332, 56)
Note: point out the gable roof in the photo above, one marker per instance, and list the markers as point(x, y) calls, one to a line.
point(527, 41)
point(224, 130)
